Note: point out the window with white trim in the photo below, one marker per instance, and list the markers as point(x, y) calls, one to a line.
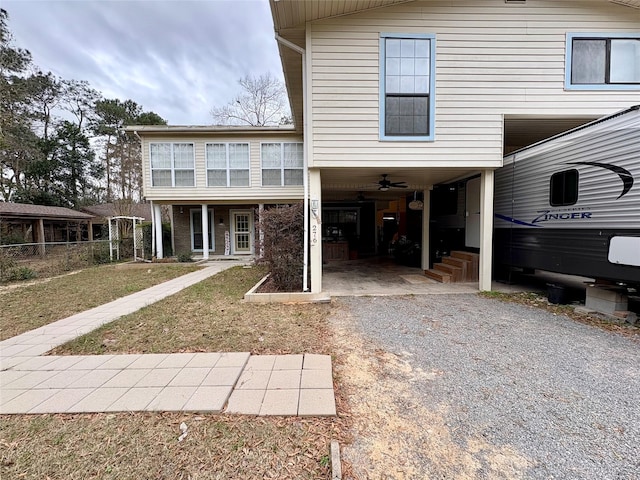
point(172, 164)
point(603, 61)
point(282, 164)
point(407, 83)
point(227, 164)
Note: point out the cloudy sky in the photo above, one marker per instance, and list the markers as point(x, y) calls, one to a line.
point(176, 58)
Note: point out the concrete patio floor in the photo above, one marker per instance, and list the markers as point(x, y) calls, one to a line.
point(235, 382)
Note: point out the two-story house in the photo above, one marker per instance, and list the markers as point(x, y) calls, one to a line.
point(425, 94)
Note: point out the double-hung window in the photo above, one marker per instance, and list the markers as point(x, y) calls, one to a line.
point(600, 61)
point(172, 165)
point(282, 164)
point(407, 84)
point(227, 164)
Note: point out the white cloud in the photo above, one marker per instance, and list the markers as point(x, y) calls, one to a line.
point(176, 58)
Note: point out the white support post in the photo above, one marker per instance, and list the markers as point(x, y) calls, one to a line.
point(486, 229)
point(260, 231)
point(153, 230)
point(205, 232)
point(110, 240)
point(426, 213)
point(157, 221)
point(315, 230)
point(135, 241)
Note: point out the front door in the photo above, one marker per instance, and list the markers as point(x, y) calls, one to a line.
point(242, 224)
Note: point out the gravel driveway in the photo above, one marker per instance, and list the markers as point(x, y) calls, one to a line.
point(461, 386)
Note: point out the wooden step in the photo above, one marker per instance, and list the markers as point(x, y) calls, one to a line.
point(455, 272)
point(438, 275)
point(461, 264)
point(473, 259)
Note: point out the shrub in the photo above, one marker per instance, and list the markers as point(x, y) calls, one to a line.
point(282, 245)
point(185, 257)
point(22, 273)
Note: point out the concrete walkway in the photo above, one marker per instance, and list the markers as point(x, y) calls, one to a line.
point(235, 382)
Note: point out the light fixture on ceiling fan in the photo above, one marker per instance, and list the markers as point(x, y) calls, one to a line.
point(385, 184)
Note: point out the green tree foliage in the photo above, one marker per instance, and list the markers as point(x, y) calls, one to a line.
point(121, 152)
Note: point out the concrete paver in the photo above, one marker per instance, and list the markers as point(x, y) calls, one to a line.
point(134, 400)
point(246, 402)
point(189, 377)
point(171, 399)
point(317, 402)
point(280, 402)
point(220, 376)
point(208, 399)
point(229, 382)
point(98, 400)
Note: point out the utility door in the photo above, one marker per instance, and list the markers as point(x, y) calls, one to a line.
point(472, 214)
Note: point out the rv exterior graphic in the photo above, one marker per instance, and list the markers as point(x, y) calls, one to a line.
point(571, 203)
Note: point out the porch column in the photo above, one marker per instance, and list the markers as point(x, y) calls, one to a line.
point(260, 231)
point(315, 229)
point(205, 232)
point(486, 229)
point(426, 216)
point(157, 223)
point(39, 236)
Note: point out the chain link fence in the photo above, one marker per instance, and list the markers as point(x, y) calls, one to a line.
point(30, 260)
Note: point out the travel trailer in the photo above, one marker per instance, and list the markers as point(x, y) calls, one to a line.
point(571, 203)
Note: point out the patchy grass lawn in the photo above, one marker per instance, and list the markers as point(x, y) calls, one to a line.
point(211, 316)
point(31, 306)
point(534, 300)
point(145, 445)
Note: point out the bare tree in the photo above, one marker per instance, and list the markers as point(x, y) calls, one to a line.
point(261, 103)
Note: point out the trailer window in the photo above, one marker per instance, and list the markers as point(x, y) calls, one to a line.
point(564, 188)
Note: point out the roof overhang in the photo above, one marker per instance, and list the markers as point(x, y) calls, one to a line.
point(210, 129)
point(290, 18)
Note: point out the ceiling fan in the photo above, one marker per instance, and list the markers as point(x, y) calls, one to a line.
point(384, 184)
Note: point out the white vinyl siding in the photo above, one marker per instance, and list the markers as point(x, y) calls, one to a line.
point(492, 59)
point(254, 193)
point(282, 164)
point(227, 164)
point(597, 61)
point(172, 164)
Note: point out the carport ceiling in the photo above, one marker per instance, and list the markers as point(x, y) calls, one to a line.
point(521, 131)
point(345, 183)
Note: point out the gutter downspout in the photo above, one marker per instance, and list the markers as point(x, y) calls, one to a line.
point(305, 259)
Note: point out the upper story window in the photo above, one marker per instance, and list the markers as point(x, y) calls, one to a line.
point(564, 188)
point(227, 164)
point(172, 164)
point(407, 84)
point(596, 61)
point(282, 163)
